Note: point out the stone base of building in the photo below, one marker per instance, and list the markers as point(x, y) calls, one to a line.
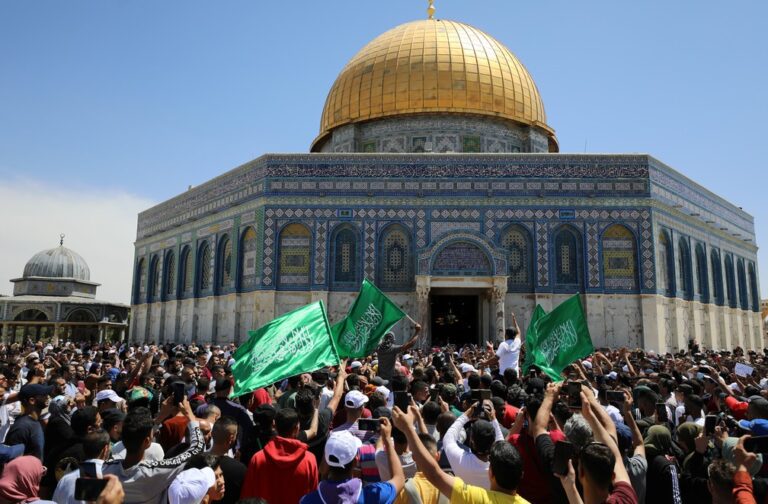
point(482, 311)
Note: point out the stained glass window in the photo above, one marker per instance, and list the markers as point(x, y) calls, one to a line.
point(684, 265)
point(743, 298)
point(567, 268)
point(345, 258)
point(717, 278)
point(170, 274)
point(205, 267)
point(154, 293)
point(225, 265)
point(730, 282)
point(516, 241)
point(395, 268)
point(141, 281)
point(664, 264)
point(619, 259)
point(248, 259)
point(702, 279)
point(294, 255)
point(188, 271)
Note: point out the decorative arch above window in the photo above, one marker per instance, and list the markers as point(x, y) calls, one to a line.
point(702, 279)
point(204, 268)
point(140, 282)
point(346, 258)
point(743, 292)
point(665, 264)
point(395, 259)
point(717, 278)
point(294, 250)
point(517, 242)
point(684, 265)
point(224, 266)
point(463, 259)
point(619, 259)
point(248, 270)
point(568, 255)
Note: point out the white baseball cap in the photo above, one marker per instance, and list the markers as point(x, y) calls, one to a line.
point(108, 394)
point(467, 368)
point(355, 399)
point(384, 390)
point(356, 364)
point(190, 486)
point(341, 448)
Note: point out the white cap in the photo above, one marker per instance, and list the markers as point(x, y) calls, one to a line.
point(108, 394)
point(613, 375)
point(467, 368)
point(586, 364)
point(356, 364)
point(341, 448)
point(407, 356)
point(190, 486)
point(384, 390)
point(355, 399)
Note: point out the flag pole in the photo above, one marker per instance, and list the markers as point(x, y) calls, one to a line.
point(409, 318)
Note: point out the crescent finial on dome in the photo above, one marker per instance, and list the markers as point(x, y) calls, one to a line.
point(61, 239)
point(431, 9)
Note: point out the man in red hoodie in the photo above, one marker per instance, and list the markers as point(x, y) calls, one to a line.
point(284, 471)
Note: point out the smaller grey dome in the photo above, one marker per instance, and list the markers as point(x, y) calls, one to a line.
point(59, 262)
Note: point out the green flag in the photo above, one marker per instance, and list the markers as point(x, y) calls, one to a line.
point(370, 317)
point(561, 337)
point(294, 343)
point(530, 337)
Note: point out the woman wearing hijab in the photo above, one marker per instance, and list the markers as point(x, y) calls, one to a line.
point(20, 481)
point(663, 479)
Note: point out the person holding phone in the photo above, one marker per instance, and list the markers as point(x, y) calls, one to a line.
point(472, 465)
point(96, 450)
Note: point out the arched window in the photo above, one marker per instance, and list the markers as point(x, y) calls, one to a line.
point(702, 280)
point(154, 286)
point(294, 255)
point(717, 278)
point(170, 275)
point(753, 288)
point(140, 282)
point(395, 259)
point(204, 270)
point(224, 273)
point(743, 298)
point(730, 282)
point(684, 265)
point(248, 259)
point(346, 258)
point(567, 252)
point(619, 259)
point(517, 242)
point(187, 272)
point(665, 265)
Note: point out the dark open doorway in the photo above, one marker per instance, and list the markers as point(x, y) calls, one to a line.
point(454, 319)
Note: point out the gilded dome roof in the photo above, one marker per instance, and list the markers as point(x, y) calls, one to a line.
point(430, 66)
point(59, 262)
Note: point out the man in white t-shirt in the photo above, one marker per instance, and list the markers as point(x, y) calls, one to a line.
point(508, 353)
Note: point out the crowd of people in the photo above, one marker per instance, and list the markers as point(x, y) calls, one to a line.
point(407, 424)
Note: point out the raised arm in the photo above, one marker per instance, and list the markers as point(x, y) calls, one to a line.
point(602, 436)
point(413, 340)
point(542, 416)
point(395, 467)
point(338, 389)
point(426, 464)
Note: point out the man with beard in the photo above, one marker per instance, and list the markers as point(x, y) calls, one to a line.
point(387, 352)
point(26, 429)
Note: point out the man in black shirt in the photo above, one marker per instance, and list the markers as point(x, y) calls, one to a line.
point(387, 352)
point(26, 429)
point(224, 440)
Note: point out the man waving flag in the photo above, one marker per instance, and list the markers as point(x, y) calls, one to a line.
point(294, 343)
point(371, 316)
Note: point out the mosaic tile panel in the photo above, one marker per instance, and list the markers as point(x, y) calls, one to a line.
point(593, 256)
point(619, 258)
point(542, 253)
point(437, 229)
point(370, 249)
point(321, 228)
point(461, 259)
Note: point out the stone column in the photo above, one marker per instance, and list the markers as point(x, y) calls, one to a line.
point(499, 293)
point(56, 328)
point(422, 308)
point(4, 338)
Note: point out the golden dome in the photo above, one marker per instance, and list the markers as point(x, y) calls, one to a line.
point(432, 66)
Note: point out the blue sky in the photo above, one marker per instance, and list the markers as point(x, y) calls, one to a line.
point(141, 99)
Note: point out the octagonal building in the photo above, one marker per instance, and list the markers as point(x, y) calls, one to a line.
point(436, 175)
